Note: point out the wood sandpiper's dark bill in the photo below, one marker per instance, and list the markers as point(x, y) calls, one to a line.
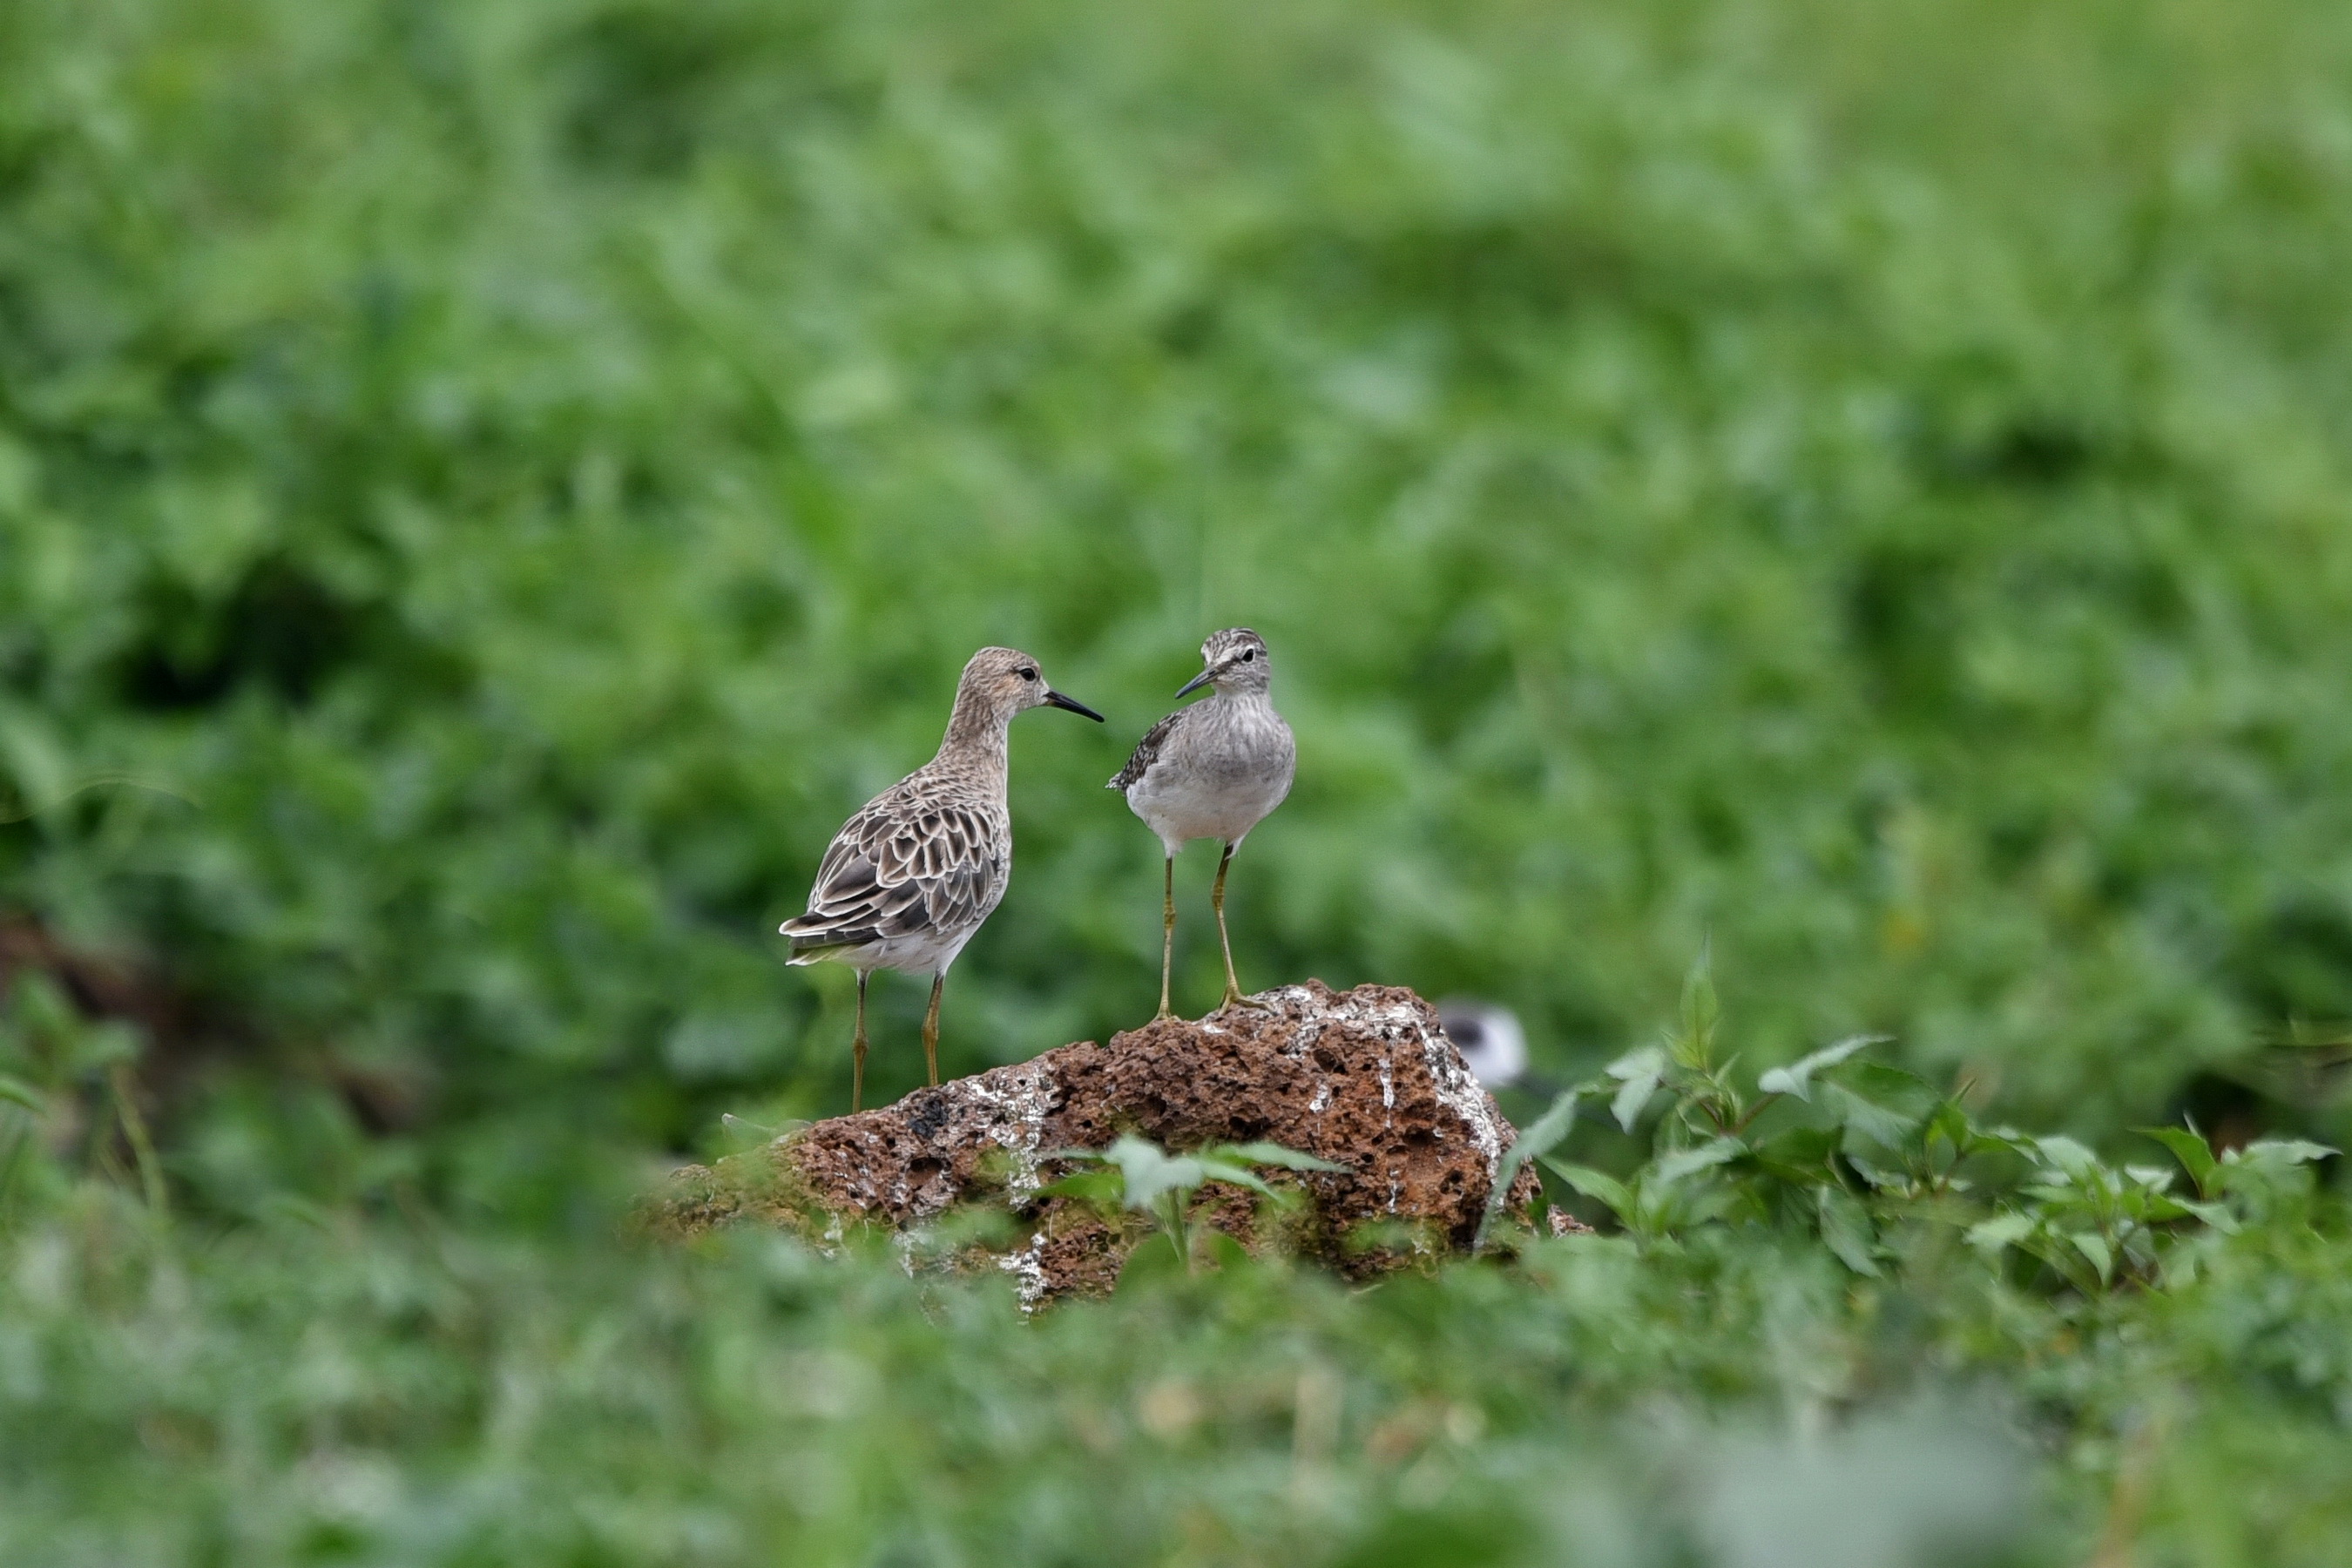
point(910, 877)
point(1211, 771)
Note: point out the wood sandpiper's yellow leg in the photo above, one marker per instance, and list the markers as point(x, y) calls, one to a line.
point(1167, 939)
point(1234, 997)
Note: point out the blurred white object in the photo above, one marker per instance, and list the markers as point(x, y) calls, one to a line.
point(1492, 1046)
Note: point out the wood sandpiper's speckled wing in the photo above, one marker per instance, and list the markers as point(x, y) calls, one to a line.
point(927, 858)
point(1147, 751)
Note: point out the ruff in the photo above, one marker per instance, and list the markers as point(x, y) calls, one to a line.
point(910, 877)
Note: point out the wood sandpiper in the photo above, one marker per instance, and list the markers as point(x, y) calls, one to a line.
point(910, 877)
point(1212, 770)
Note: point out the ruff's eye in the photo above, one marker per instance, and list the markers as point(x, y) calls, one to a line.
point(1248, 654)
point(1028, 675)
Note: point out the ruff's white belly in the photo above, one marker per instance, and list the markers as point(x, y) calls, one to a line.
point(923, 953)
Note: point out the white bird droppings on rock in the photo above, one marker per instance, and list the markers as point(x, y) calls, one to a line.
point(1027, 1268)
point(1020, 1098)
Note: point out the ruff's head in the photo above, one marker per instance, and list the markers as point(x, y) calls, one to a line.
point(1001, 681)
point(1235, 662)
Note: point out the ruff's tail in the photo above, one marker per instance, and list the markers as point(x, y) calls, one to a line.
point(814, 943)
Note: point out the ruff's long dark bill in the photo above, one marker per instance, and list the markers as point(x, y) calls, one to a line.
point(1055, 699)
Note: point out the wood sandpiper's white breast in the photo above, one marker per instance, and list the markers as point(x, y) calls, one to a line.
point(1213, 770)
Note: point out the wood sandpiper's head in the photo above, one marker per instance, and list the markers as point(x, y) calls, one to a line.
point(1002, 681)
point(1236, 662)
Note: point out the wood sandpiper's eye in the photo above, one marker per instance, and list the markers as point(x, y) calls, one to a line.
point(1248, 654)
point(1028, 675)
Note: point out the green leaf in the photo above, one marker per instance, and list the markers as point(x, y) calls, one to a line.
point(1274, 1154)
point(2093, 1246)
point(1897, 1088)
point(1949, 1121)
point(2188, 1147)
point(1150, 1173)
point(1874, 1122)
point(1691, 1206)
point(1541, 1137)
point(2217, 1216)
point(1701, 1011)
point(1594, 1184)
point(2267, 1160)
point(743, 1133)
point(1798, 1154)
point(2067, 1155)
point(1880, 1180)
point(1238, 1175)
point(2004, 1138)
point(1797, 1077)
point(1673, 1166)
point(16, 1091)
point(1846, 1230)
point(1102, 1189)
point(1639, 1071)
point(2001, 1230)
point(2278, 1153)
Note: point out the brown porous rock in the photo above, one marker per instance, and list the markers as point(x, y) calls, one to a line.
point(1365, 1078)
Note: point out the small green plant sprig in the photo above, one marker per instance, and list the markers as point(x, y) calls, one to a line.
point(1856, 1149)
point(1136, 1174)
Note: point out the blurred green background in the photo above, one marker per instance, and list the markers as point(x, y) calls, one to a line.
point(485, 489)
point(505, 482)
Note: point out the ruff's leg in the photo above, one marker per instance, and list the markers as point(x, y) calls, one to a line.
point(932, 1028)
point(1167, 939)
point(1233, 996)
point(858, 1046)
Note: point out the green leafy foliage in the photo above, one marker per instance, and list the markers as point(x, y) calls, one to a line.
point(1860, 489)
point(309, 1389)
point(1879, 1164)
